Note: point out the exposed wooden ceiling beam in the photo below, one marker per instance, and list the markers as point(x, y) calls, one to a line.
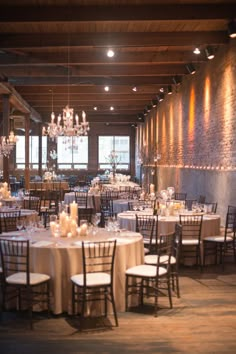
point(99, 57)
point(52, 40)
point(131, 80)
point(96, 71)
point(42, 91)
point(159, 12)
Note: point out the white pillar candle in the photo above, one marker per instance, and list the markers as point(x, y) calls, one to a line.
point(52, 227)
point(83, 230)
point(152, 188)
point(74, 210)
point(73, 227)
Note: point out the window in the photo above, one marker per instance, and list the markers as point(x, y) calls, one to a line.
point(72, 152)
point(119, 144)
point(33, 150)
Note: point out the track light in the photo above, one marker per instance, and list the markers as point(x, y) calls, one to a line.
point(190, 68)
point(140, 116)
point(196, 51)
point(110, 53)
point(169, 90)
point(232, 29)
point(145, 111)
point(134, 88)
point(177, 80)
point(154, 103)
point(148, 108)
point(161, 97)
point(209, 53)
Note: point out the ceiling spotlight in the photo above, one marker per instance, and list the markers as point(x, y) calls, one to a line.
point(169, 90)
point(140, 116)
point(209, 53)
point(197, 51)
point(95, 108)
point(161, 97)
point(154, 103)
point(177, 80)
point(134, 89)
point(161, 89)
point(190, 69)
point(111, 108)
point(107, 88)
point(110, 53)
point(232, 29)
point(148, 108)
point(145, 111)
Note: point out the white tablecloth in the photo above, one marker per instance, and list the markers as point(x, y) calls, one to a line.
point(70, 197)
point(210, 225)
point(62, 257)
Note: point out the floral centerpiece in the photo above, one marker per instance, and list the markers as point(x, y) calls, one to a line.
point(113, 159)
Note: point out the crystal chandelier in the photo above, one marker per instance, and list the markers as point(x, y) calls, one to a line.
point(7, 144)
point(66, 124)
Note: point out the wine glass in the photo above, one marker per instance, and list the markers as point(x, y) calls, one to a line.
point(95, 220)
point(19, 224)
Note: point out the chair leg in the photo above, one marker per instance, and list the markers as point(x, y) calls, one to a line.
point(73, 299)
point(48, 297)
point(114, 308)
point(169, 292)
point(126, 292)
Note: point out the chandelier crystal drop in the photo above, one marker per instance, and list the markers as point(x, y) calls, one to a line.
point(7, 144)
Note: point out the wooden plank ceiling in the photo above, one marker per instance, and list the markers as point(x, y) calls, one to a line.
point(54, 52)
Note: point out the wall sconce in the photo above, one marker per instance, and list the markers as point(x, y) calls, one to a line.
point(232, 29)
point(209, 53)
point(190, 68)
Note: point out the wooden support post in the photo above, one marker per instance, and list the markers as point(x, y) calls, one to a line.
point(27, 143)
point(6, 126)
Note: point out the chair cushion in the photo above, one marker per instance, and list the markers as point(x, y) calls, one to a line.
point(189, 242)
point(145, 270)
point(92, 279)
point(152, 259)
point(20, 278)
point(220, 239)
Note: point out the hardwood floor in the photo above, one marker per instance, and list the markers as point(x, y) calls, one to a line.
point(203, 320)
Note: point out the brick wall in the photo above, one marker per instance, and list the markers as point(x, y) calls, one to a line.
point(196, 132)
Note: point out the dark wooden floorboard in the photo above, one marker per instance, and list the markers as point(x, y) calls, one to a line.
point(203, 320)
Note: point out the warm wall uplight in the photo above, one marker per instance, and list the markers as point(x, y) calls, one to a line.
point(207, 103)
point(191, 122)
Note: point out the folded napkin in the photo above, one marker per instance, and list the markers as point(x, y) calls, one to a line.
point(43, 243)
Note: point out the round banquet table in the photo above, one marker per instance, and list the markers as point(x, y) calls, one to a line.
point(210, 225)
point(120, 205)
point(70, 197)
point(62, 257)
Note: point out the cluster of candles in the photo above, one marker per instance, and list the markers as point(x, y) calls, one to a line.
point(4, 191)
point(68, 224)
